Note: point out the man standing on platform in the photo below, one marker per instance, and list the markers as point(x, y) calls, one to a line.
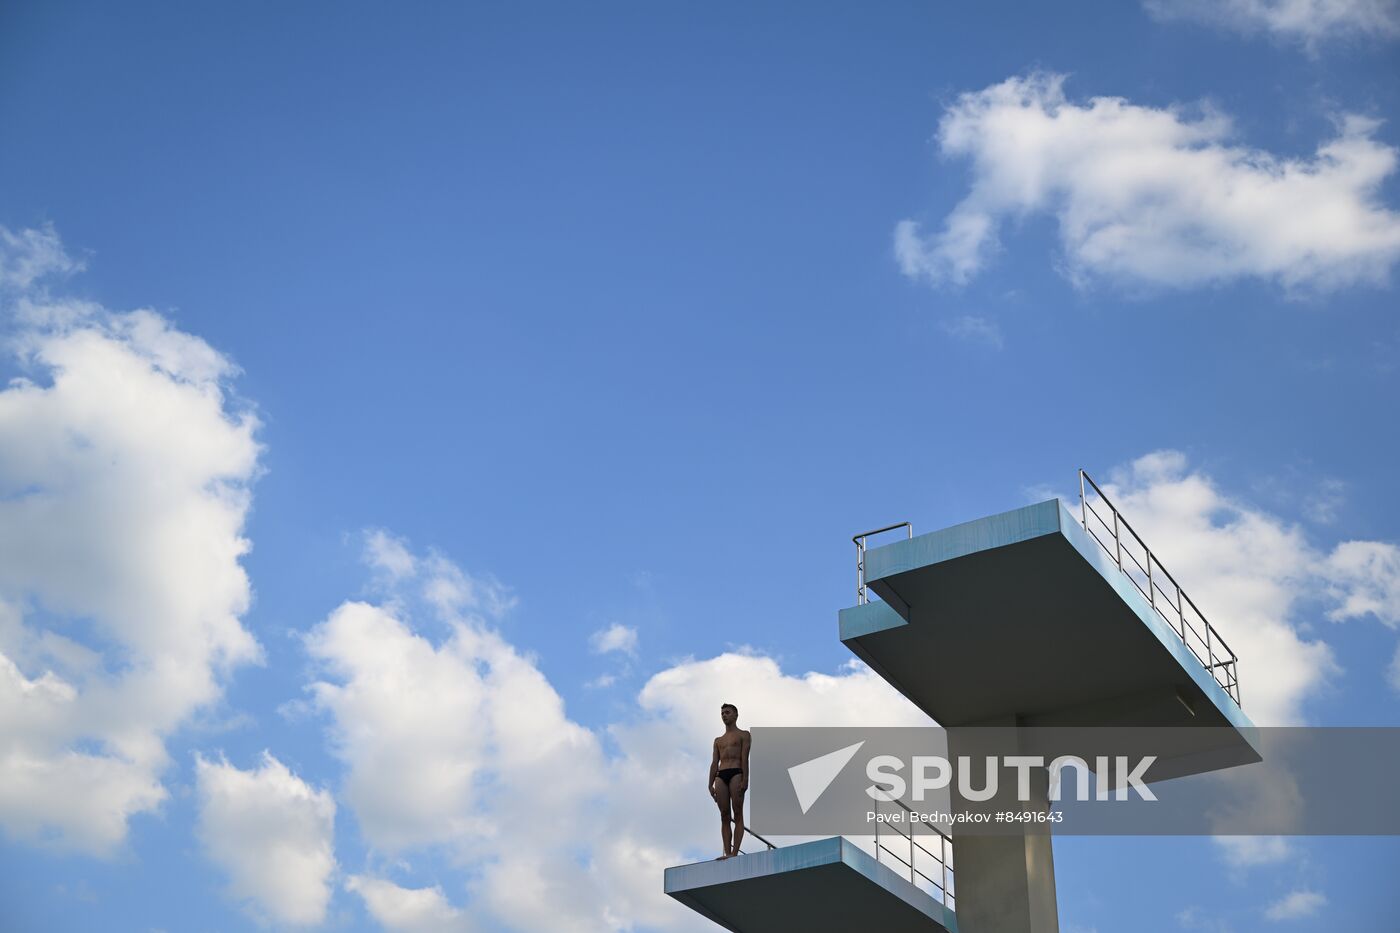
point(729, 778)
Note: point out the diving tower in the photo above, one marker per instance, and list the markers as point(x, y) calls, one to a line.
point(1049, 615)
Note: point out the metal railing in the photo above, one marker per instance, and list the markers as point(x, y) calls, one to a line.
point(861, 597)
point(1163, 593)
point(750, 832)
point(943, 859)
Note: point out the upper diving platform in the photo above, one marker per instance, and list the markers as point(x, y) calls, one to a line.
point(824, 885)
point(1053, 616)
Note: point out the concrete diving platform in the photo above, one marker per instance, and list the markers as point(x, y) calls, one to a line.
point(823, 885)
point(1025, 618)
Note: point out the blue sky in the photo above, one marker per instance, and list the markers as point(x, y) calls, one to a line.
point(420, 403)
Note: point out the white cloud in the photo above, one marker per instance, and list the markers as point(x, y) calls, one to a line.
point(1155, 196)
point(616, 637)
point(1254, 574)
point(124, 487)
point(388, 555)
point(409, 724)
point(452, 592)
point(272, 833)
point(975, 329)
point(1307, 21)
point(1296, 905)
point(461, 743)
point(408, 910)
point(1364, 577)
point(31, 255)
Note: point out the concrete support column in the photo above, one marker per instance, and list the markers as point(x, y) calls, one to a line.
point(1004, 884)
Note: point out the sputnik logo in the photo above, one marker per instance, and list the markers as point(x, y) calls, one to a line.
point(811, 778)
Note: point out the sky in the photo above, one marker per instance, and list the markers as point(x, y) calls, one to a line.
point(418, 418)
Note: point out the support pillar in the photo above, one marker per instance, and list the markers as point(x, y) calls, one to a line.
point(1005, 884)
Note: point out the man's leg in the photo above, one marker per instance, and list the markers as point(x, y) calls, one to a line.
point(722, 798)
point(736, 791)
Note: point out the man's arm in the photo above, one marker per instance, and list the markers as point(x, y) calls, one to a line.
point(714, 767)
point(744, 744)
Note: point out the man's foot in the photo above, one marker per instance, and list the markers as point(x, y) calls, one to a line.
point(720, 858)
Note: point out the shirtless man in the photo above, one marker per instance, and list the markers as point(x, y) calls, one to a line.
point(729, 778)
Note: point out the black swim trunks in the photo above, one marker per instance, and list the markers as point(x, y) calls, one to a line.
point(726, 773)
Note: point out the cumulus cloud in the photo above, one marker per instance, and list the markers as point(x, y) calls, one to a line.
point(272, 833)
point(429, 730)
point(616, 637)
point(1254, 575)
point(408, 910)
point(1307, 21)
point(124, 487)
point(1296, 905)
point(460, 743)
point(1364, 578)
point(1156, 197)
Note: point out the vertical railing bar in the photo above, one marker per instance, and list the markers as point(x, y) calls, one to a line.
point(1151, 591)
point(1083, 505)
point(1117, 541)
point(877, 832)
point(860, 572)
point(1210, 652)
point(944, 845)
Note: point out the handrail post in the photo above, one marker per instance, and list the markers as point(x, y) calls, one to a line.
point(1083, 503)
point(877, 831)
point(860, 572)
point(1117, 541)
point(943, 849)
point(1151, 590)
point(860, 541)
point(1210, 652)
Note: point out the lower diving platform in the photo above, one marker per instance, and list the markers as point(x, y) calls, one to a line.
point(819, 886)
